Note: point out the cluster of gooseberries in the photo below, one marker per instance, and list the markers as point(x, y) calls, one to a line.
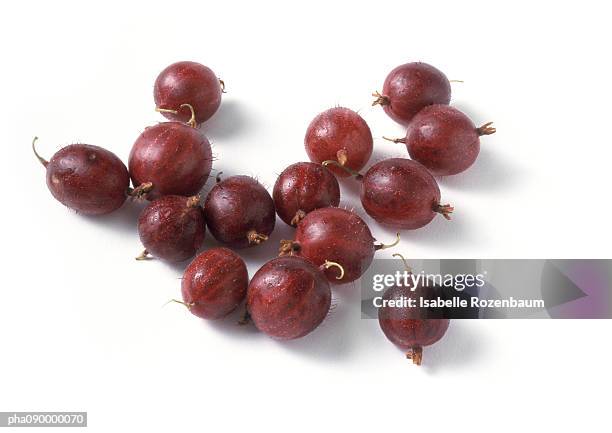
point(290, 295)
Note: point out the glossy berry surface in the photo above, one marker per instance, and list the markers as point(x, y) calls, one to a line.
point(89, 179)
point(239, 212)
point(337, 235)
point(410, 87)
point(172, 227)
point(401, 193)
point(444, 139)
point(403, 328)
point(302, 188)
point(187, 83)
point(174, 157)
point(215, 283)
point(288, 298)
point(339, 134)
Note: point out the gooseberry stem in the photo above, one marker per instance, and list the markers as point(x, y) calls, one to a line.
point(299, 216)
point(445, 209)
point(193, 201)
point(191, 122)
point(42, 160)
point(406, 265)
point(395, 140)
point(329, 264)
point(486, 129)
point(141, 190)
point(382, 246)
point(145, 255)
point(256, 238)
point(416, 354)
point(350, 171)
point(186, 304)
point(288, 247)
point(380, 99)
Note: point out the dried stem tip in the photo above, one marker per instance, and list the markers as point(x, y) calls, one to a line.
point(342, 156)
point(445, 209)
point(256, 238)
point(380, 99)
point(193, 201)
point(288, 247)
point(141, 190)
point(486, 129)
point(299, 216)
point(416, 354)
point(145, 255)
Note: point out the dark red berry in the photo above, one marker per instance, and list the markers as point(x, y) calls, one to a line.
point(215, 283)
point(338, 235)
point(401, 193)
point(339, 134)
point(89, 179)
point(411, 87)
point(444, 139)
point(402, 326)
point(302, 188)
point(288, 297)
point(172, 228)
point(239, 212)
point(174, 157)
point(187, 83)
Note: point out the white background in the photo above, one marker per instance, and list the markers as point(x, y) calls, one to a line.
point(82, 325)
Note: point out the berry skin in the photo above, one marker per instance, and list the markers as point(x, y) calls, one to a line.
point(288, 298)
point(215, 283)
point(89, 179)
point(401, 193)
point(341, 135)
point(337, 235)
point(239, 212)
point(187, 83)
point(302, 188)
point(174, 157)
point(402, 327)
point(444, 139)
point(411, 87)
point(172, 228)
